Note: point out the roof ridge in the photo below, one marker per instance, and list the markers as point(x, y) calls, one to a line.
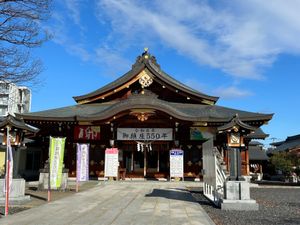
point(148, 61)
point(294, 137)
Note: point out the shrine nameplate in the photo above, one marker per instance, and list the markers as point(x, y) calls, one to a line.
point(87, 133)
point(145, 134)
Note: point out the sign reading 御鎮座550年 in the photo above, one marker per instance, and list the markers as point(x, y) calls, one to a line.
point(145, 134)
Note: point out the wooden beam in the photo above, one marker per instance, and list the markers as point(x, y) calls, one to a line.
point(145, 162)
point(103, 96)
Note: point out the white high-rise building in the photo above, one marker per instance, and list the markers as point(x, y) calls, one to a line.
point(14, 99)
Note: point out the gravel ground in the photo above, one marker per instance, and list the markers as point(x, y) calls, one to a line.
point(276, 206)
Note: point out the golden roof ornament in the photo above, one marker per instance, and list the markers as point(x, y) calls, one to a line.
point(146, 56)
point(145, 79)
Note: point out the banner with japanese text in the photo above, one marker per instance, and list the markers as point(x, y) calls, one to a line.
point(176, 163)
point(196, 134)
point(145, 134)
point(87, 133)
point(82, 165)
point(111, 162)
point(56, 148)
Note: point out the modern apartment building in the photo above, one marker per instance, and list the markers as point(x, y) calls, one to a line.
point(14, 99)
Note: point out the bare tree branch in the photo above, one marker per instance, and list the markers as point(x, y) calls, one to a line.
point(20, 30)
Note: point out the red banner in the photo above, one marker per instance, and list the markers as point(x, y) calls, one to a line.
point(87, 133)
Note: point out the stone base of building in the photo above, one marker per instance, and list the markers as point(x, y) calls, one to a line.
point(17, 192)
point(241, 205)
point(237, 196)
point(16, 200)
point(43, 181)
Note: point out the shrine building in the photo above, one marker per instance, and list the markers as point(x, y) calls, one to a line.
point(145, 113)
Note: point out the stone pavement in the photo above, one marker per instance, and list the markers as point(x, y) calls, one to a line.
point(119, 203)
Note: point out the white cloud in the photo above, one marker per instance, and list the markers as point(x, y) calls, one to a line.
point(73, 38)
point(196, 84)
point(59, 31)
point(80, 51)
point(112, 60)
point(232, 92)
point(73, 7)
point(240, 38)
point(225, 92)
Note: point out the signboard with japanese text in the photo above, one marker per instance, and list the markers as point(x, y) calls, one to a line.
point(196, 134)
point(111, 162)
point(87, 133)
point(14, 138)
point(82, 165)
point(145, 134)
point(56, 148)
point(176, 163)
point(235, 140)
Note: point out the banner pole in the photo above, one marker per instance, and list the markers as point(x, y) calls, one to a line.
point(7, 190)
point(77, 185)
point(49, 187)
point(77, 161)
point(7, 174)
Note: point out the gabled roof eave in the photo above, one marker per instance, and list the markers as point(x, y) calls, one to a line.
point(136, 69)
point(168, 79)
point(112, 85)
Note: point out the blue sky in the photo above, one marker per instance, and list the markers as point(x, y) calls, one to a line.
point(247, 52)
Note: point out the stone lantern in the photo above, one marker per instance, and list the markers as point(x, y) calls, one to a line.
point(16, 129)
point(235, 131)
point(236, 188)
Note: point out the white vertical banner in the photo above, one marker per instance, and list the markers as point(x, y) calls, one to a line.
point(176, 163)
point(82, 165)
point(111, 162)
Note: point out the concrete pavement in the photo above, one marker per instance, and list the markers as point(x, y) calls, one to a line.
point(120, 203)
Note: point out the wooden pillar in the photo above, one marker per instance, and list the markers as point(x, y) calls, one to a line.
point(227, 160)
point(132, 161)
point(145, 162)
point(260, 168)
point(157, 160)
point(17, 155)
point(247, 161)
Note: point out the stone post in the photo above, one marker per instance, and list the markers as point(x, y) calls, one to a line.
point(235, 164)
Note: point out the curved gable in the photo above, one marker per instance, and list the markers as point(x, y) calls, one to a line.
point(146, 65)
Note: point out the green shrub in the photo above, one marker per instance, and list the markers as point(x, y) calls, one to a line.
point(283, 162)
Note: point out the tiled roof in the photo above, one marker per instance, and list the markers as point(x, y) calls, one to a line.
point(141, 63)
point(258, 134)
point(189, 112)
point(257, 153)
point(15, 122)
point(291, 142)
point(235, 121)
point(255, 143)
